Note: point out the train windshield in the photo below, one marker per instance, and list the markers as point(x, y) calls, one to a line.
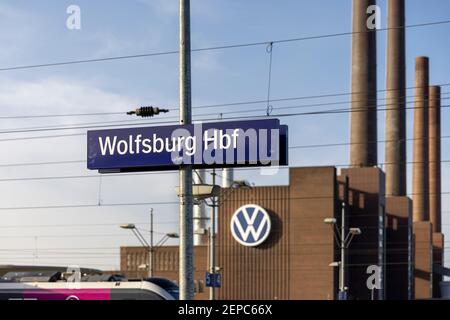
point(169, 286)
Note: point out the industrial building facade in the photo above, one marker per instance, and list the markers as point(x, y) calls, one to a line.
point(294, 261)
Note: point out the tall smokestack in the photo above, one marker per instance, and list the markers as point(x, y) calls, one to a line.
point(227, 177)
point(420, 149)
point(434, 120)
point(395, 101)
point(363, 131)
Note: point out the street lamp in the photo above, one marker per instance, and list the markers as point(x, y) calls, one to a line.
point(128, 226)
point(166, 237)
point(150, 247)
point(355, 231)
point(344, 241)
point(329, 221)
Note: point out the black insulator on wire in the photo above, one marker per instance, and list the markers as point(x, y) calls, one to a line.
point(146, 112)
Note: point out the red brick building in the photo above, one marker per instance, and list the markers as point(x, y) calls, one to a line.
point(294, 261)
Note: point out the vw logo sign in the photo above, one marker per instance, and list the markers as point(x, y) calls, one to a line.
point(250, 225)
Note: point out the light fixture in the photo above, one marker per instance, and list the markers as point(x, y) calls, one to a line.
point(128, 226)
point(241, 184)
point(329, 221)
point(355, 231)
point(334, 264)
point(172, 235)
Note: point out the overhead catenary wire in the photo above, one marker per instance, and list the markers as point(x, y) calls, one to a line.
point(124, 235)
point(233, 104)
point(77, 225)
point(308, 146)
point(120, 122)
point(126, 123)
point(219, 47)
point(143, 174)
point(161, 203)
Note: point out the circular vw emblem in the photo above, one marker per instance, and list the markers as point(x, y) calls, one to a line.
point(250, 225)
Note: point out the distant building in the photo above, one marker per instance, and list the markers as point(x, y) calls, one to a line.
point(293, 262)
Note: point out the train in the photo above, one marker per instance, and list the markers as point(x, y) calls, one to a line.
point(59, 285)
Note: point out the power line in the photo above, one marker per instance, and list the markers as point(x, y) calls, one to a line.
point(44, 137)
point(221, 47)
point(83, 176)
point(213, 114)
point(310, 146)
point(40, 163)
point(81, 225)
point(318, 96)
point(70, 206)
point(148, 173)
point(128, 235)
point(235, 104)
point(38, 116)
point(79, 206)
point(280, 115)
point(59, 248)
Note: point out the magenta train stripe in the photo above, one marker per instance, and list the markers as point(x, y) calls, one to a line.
point(67, 294)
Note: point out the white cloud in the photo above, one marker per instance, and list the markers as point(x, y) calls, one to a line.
point(59, 96)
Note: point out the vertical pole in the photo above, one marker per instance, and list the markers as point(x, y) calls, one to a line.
point(151, 251)
point(212, 242)
point(186, 262)
point(342, 264)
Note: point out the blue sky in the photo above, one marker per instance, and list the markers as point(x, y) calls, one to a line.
point(34, 32)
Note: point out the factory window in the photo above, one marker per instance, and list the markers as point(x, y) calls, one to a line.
point(170, 261)
point(164, 260)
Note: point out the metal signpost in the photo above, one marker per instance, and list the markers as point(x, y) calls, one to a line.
point(186, 260)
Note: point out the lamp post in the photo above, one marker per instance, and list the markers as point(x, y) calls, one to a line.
point(344, 241)
point(150, 247)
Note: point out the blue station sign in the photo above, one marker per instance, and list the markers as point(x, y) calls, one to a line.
point(213, 280)
point(202, 145)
